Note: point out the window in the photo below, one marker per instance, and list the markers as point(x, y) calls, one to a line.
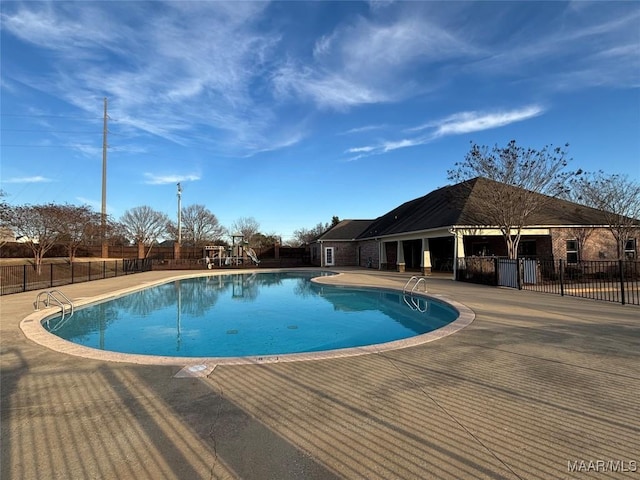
point(527, 248)
point(630, 249)
point(572, 251)
point(480, 249)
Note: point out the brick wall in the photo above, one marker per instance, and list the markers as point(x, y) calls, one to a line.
point(344, 253)
point(369, 250)
point(600, 245)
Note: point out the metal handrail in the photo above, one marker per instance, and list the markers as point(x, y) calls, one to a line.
point(406, 285)
point(417, 280)
point(51, 296)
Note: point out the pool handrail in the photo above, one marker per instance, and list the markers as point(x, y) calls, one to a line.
point(417, 282)
point(52, 295)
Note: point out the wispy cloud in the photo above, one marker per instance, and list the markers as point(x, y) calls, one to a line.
point(467, 122)
point(181, 67)
point(366, 128)
point(217, 75)
point(154, 179)
point(369, 61)
point(592, 45)
point(361, 149)
point(456, 124)
point(34, 179)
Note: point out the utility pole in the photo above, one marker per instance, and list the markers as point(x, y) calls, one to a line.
point(179, 214)
point(103, 216)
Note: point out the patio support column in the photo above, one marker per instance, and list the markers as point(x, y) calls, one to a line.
point(400, 254)
point(426, 257)
point(458, 249)
point(383, 255)
point(460, 244)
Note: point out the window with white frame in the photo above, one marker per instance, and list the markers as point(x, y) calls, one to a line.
point(572, 251)
point(630, 249)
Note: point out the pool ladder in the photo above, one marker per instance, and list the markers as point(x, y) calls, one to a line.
point(417, 281)
point(414, 303)
point(55, 297)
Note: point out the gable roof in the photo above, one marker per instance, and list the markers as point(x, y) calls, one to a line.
point(345, 230)
point(458, 205)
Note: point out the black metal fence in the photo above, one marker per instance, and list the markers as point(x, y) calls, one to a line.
point(24, 278)
point(612, 281)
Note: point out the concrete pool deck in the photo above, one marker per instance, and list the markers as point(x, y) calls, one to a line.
point(538, 386)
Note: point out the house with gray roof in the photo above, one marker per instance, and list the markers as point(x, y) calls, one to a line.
point(429, 233)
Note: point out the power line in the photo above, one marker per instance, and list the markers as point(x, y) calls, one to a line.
point(45, 131)
point(43, 115)
point(75, 145)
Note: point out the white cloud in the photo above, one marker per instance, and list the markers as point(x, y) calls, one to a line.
point(183, 65)
point(34, 179)
point(456, 124)
point(366, 128)
point(154, 179)
point(467, 122)
point(369, 61)
point(325, 89)
point(361, 149)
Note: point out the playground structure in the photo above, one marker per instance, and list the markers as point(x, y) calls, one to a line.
point(234, 255)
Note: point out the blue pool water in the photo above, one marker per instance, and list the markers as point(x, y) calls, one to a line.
point(250, 314)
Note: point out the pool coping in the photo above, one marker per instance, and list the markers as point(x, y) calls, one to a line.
point(33, 329)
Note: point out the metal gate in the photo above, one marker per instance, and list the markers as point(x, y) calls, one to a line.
point(513, 273)
point(508, 272)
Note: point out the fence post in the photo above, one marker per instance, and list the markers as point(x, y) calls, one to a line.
point(495, 271)
point(24, 278)
point(561, 277)
point(519, 272)
point(104, 269)
point(51, 275)
point(72, 276)
point(621, 266)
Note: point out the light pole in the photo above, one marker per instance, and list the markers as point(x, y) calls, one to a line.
point(179, 214)
point(103, 213)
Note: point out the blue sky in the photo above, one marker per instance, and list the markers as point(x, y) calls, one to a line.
point(292, 112)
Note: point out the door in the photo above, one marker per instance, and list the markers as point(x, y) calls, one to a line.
point(328, 257)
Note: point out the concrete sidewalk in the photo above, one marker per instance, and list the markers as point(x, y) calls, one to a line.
point(538, 386)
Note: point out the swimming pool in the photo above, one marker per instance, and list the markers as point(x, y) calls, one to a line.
point(258, 314)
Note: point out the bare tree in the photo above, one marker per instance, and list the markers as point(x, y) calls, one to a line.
point(5, 218)
point(618, 197)
point(144, 226)
point(39, 227)
point(199, 226)
point(247, 227)
point(261, 240)
point(304, 236)
point(116, 234)
point(526, 180)
point(77, 224)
